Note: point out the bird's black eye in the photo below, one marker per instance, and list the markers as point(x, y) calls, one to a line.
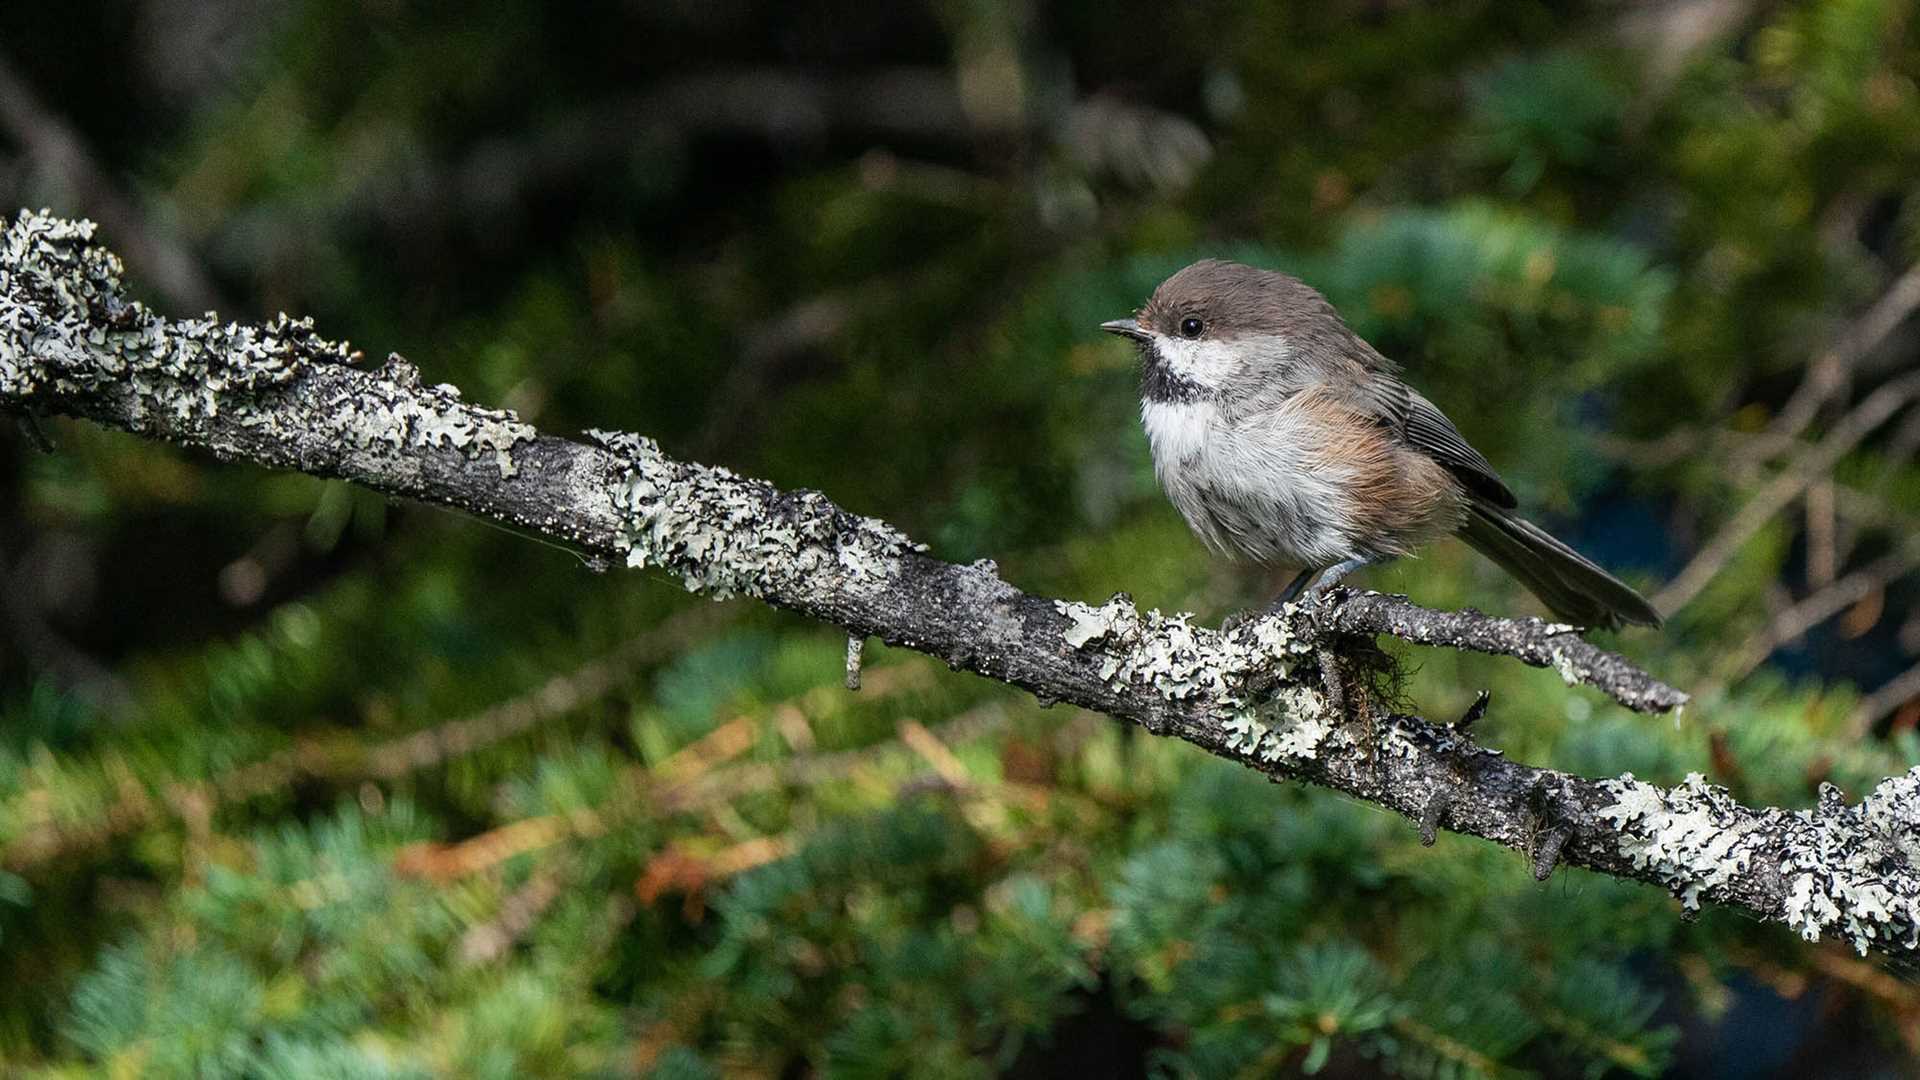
point(1191, 327)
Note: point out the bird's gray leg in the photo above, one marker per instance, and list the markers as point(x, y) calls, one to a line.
point(1337, 571)
point(1293, 588)
point(1292, 592)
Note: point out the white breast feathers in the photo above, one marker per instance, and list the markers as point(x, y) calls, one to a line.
point(1176, 430)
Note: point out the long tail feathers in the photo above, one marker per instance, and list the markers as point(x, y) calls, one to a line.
point(1566, 581)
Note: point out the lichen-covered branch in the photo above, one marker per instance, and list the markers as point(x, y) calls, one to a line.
point(1530, 641)
point(278, 394)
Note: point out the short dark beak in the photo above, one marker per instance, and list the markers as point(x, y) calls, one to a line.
point(1127, 328)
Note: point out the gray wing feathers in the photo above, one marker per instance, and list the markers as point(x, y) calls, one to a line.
point(1422, 425)
point(1428, 430)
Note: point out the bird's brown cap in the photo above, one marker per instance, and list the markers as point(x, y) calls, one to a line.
point(1233, 300)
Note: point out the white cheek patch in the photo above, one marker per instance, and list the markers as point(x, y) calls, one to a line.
point(1211, 362)
point(1202, 361)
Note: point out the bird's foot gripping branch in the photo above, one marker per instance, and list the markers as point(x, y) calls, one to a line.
point(278, 394)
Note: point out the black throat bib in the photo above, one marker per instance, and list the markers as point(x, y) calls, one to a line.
point(1160, 385)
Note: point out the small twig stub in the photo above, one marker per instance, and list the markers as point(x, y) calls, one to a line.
point(854, 647)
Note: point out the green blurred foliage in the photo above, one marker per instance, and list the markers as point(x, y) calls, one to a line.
point(294, 782)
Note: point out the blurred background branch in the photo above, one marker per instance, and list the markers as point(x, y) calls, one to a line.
point(54, 147)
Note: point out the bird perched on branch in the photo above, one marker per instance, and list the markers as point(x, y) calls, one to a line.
point(1285, 439)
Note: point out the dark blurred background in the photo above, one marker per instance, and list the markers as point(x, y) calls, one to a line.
point(295, 782)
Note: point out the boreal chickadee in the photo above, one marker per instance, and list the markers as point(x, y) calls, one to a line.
point(1285, 439)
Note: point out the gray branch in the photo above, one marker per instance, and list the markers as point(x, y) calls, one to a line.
point(278, 394)
point(1530, 641)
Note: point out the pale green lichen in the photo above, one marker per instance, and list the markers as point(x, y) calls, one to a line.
point(724, 534)
point(1086, 624)
point(1564, 666)
point(437, 417)
point(1690, 836)
point(67, 332)
point(1168, 655)
point(1849, 870)
point(1291, 725)
point(65, 328)
point(1398, 742)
